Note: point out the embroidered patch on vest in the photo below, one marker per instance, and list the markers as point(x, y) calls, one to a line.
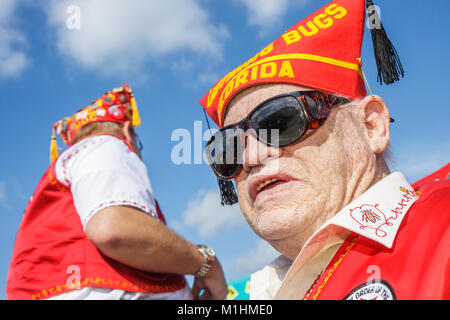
point(371, 217)
point(373, 290)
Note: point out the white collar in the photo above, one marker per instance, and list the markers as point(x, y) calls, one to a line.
point(378, 212)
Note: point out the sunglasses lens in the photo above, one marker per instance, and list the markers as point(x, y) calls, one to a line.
point(279, 122)
point(224, 152)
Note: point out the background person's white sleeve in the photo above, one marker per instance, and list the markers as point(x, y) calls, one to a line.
point(101, 172)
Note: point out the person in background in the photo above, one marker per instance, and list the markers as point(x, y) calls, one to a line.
point(93, 229)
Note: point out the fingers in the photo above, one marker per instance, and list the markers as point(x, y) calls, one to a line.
point(196, 288)
point(214, 291)
point(200, 287)
point(213, 286)
point(220, 293)
point(206, 295)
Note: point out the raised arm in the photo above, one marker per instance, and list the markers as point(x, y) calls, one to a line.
point(136, 239)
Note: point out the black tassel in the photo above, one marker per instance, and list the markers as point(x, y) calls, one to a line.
point(388, 62)
point(228, 194)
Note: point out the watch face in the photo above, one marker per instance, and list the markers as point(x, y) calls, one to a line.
point(210, 252)
point(207, 251)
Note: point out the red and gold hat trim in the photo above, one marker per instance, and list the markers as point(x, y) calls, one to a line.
point(285, 71)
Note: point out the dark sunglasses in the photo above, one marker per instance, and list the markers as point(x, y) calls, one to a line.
point(277, 122)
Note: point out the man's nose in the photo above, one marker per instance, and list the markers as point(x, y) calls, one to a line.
point(256, 153)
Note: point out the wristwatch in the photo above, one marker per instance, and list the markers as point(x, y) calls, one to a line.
point(209, 256)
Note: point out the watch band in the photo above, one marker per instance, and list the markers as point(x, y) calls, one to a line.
point(209, 256)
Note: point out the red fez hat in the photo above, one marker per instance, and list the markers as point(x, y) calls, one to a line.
point(118, 105)
point(323, 51)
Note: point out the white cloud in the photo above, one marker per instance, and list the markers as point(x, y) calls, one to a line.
point(257, 258)
point(117, 36)
point(208, 216)
point(265, 14)
point(13, 59)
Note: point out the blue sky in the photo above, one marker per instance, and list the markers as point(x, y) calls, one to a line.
point(171, 52)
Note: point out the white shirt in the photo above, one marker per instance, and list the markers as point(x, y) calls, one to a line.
point(376, 214)
point(101, 171)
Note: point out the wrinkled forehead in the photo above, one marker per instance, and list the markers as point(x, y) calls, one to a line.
point(245, 101)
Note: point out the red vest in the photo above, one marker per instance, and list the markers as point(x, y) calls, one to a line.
point(52, 254)
point(417, 267)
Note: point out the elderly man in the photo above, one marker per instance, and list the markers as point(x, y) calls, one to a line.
point(304, 144)
point(93, 229)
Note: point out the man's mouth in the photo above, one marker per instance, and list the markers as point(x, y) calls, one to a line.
point(267, 184)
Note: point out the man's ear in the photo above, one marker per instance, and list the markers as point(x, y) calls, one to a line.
point(376, 118)
point(126, 131)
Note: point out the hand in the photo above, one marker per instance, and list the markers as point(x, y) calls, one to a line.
point(213, 284)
